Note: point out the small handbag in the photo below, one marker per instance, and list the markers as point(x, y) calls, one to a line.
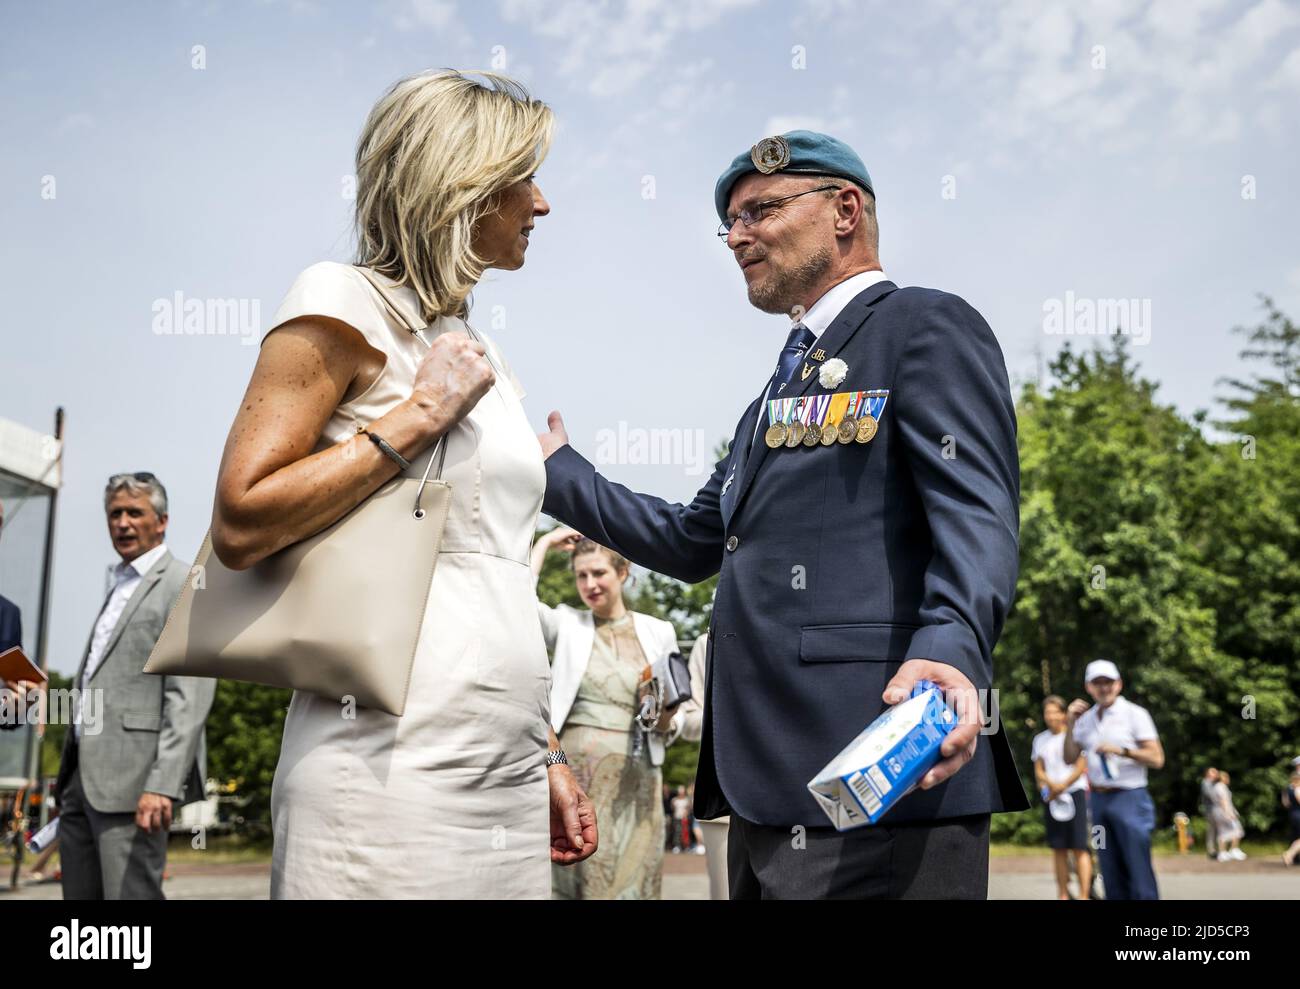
point(665, 683)
point(337, 614)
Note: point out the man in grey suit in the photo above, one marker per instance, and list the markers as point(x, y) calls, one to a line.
point(136, 748)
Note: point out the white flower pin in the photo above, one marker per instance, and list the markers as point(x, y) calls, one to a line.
point(832, 373)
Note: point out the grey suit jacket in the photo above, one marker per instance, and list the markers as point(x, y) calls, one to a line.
point(150, 736)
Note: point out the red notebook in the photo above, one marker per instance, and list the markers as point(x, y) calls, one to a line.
point(14, 665)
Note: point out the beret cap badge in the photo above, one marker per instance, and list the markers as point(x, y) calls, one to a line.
point(770, 154)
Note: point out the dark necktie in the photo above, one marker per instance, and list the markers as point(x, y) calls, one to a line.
point(796, 345)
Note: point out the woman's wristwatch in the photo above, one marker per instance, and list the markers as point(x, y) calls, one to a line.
point(556, 757)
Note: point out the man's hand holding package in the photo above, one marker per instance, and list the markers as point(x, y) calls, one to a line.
point(959, 747)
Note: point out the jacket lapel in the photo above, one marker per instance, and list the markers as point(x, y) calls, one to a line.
point(90, 639)
point(742, 448)
point(830, 343)
point(837, 335)
point(645, 635)
point(146, 585)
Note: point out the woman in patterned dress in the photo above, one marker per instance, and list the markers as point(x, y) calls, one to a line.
point(600, 656)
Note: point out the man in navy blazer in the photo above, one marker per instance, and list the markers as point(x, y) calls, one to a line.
point(11, 624)
point(865, 521)
point(11, 632)
point(11, 618)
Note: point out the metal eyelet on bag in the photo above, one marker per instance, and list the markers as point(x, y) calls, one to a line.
point(440, 454)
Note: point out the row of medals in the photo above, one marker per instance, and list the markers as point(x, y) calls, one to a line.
point(849, 430)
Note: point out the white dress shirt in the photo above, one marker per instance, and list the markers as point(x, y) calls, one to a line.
point(832, 303)
point(1124, 724)
point(824, 312)
point(122, 580)
point(1051, 749)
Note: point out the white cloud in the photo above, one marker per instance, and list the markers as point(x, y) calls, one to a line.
point(693, 88)
point(433, 13)
point(784, 124)
point(838, 119)
point(605, 49)
point(74, 122)
point(1287, 75)
point(439, 16)
point(1196, 70)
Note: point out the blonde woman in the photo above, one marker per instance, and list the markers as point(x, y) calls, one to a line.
point(458, 797)
point(600, 656)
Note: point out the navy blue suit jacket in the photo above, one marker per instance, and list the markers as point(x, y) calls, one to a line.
point(11, 624)
point(839, 562)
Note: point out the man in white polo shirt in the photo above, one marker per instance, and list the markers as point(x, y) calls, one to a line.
point(1122, 744)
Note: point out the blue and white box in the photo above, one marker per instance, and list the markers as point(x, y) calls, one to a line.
point(881, 765)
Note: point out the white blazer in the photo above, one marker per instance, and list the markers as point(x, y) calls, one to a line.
point(569, 635)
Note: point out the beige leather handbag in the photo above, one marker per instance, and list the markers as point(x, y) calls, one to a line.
point(337, 614)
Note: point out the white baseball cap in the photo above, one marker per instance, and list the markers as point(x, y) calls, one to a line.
point(1100, 668)
point(1062, 808)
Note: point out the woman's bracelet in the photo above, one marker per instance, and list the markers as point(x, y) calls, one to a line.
point(386, 448)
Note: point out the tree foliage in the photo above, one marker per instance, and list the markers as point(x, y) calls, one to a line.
point(1149, 540)
point(244, 731)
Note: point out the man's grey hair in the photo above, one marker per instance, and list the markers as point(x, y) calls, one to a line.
point(869, 218)
point(141, 482)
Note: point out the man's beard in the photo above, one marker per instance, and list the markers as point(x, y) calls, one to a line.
point(785, 289)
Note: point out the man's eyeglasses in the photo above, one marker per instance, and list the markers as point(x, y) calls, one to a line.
point(753, 214)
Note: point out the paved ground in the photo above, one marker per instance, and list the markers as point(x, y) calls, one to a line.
point(1190, 877)
point(1011, 878)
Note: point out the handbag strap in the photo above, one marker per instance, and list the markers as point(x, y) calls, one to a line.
point(418, 331)
point(440, 448)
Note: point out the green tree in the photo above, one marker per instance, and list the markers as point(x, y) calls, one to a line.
point(1105, 571)
point(244, 730)
point(1150, 541)
point(52, 740)
point(1247, 528)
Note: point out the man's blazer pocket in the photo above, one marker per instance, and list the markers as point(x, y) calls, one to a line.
point(870, 642)
point(141, 721)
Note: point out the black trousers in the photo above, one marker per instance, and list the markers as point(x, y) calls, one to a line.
point(946, 860)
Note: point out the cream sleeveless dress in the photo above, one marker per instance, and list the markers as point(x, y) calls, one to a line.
point(451, 799)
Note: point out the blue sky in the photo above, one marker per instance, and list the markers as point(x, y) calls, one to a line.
point(1020, 151)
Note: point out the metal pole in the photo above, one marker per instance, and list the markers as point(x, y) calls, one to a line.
point(32, 750)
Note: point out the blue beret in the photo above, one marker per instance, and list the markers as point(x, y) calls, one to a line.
point(798, 152)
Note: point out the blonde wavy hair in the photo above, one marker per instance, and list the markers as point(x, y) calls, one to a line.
point(435, 150)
